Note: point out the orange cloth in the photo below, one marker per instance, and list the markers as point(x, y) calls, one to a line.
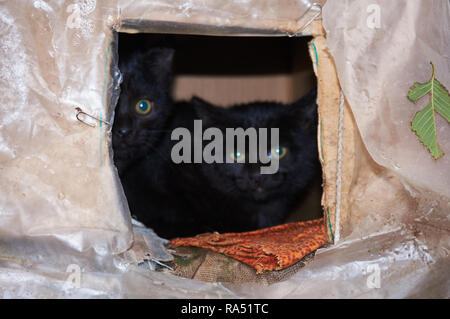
point(272, 248)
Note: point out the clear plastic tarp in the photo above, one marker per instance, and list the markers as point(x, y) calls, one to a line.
point(65, 229)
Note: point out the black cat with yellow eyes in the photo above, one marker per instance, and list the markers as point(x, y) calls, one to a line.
point(141, 137)
point(144, 105)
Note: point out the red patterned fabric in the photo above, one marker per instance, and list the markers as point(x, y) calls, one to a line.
point(272, 248)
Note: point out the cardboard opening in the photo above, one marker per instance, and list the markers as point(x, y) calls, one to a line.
point(237, 70)
point(233, 70)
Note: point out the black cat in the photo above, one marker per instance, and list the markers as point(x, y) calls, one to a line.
point(187, 199)
point(152, 185)
point(234, 197)
point(144, 105)
point(141, 137)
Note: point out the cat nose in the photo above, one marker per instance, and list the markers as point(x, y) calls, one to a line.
point(123, 132)
point(255, 178)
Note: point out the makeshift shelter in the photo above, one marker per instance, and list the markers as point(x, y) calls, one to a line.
point(65, 228)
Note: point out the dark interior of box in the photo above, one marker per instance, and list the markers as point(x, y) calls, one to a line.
point(234, 70)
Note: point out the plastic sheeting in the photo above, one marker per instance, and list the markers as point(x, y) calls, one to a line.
point(379, 54)
point(398, 264)
point(57, 177)
point(218, 17)
point(55, 172)
point(65, 230)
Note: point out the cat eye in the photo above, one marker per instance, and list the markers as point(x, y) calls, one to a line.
point(278, 152)
point(237, 156)
point(143, 107)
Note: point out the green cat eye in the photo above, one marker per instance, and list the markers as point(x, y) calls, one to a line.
point(278, 152)
point(143, 106)
point(237, 156)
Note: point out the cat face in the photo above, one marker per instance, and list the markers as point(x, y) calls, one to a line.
point(297, 151)
point(144, 104)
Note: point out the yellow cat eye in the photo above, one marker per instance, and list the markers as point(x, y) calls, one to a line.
point(278, 152)
point(237, 156)
point(143, 107)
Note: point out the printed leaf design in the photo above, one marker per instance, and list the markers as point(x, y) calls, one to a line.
point(424, 122)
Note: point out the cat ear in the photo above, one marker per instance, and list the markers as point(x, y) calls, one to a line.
point(206, 111)
point(305, 111)
point(160, 61)
point(162, 57)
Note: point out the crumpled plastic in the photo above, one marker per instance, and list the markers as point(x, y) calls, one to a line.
point(65, 229)
point(377, 64)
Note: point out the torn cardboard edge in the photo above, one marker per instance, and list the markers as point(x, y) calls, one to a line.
point(336, 135)
point(336, 127)
point(329, 95)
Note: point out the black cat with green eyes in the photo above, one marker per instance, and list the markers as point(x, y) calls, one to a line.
point(234, 197)
point(187, 199)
